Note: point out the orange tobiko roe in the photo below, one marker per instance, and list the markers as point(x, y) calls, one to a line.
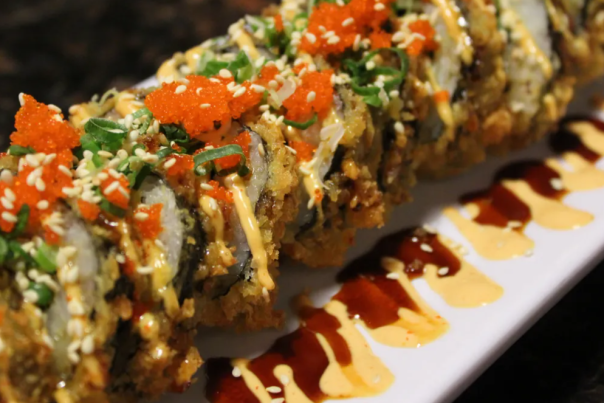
point(297, 105)
point(279, 23)
point(89, 211)
point(37, 127)
point(52, 181)
point(441, 96)
point(219, 192)
point(231, 161)
point(115, 195)
point(205, 105)
point(184, 163)
point(420, 45)
point(304, 151)
point(380, 39)
point(150, 227)
point(267, 74)
point(332, 17)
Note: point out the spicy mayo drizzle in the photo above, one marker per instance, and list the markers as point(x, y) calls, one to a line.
point(533, 190)
point(327, 357)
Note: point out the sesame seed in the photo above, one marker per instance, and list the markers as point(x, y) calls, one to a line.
point(180, 89)
point(280, 120)
point(65, 170)
point(150, 158)
point(236, 372)
point(32, 161)
point(42, 205)
point(443, 271)
point(311, 203)
point(205, 186)
point(393, 94)
point(120, 258)
point(329, 34)
point(7, 204)
point(261, 150)
point(284, 379)
point(347, 22)
point(170, 163)
point(88, 155)
point(265, 293)
point(160, 244)
point(426, 248)
point(398, 36)
point(224, 73)
point(122, 154)
point(6, 176)
point(514, 224)
point(204, 106)
point(370, 65)
point(40, 185)
point(357, 42)
point(311, 38)
point(9, 217)
point(278, 400)
point(21, 99)
point(139, 152)
point(333, 40)
point(311, 96)
point(123, 192)
point(75, 328)
point(529, 253)
point(379, 7)
point(556, 184)
point(49, 158)
point(75, 307)
point(82, 172)
point(30, 296)
point(144, 270)
point(239, 92)
point(291, 150)
point(88, 345)
point(399, 128)
point(140, 216)
point(258, 88)
point(57, 230)
point(111, 188)
point(273, 389)
point(133, 136)
point(264, 108)
point(393, 276)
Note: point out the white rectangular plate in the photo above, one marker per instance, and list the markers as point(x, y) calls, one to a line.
point(439, 371)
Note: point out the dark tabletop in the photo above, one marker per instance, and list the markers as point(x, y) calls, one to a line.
point(63, 51)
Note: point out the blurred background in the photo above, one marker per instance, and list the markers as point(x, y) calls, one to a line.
point(64, 51)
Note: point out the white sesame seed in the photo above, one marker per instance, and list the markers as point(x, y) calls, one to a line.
point(111, 188)
point(122, 154)
point(205, 186)
point(236, 372)
point(556, 184)
point(347, 22)
point(291, 150)
point(311, 96)
point(273, 389)
point(170, 163)
point(88, 155)
point(133, 136)
point(123, 192)
point(426, 248)
point(30, 296)
point(139, 152)
point(239, 92)
point(81, 173)
point(57, 230)
point(261, 150)
point(42, 205)
point(311, 38)
point(180, 89)
point(6, 176)
point(284, 379)
point(9, 217)
point(514, 224)
point(7, 204)
point(333, 40)
point(329, 34)
point(273, 84)
point(205, 106)
point(265, 293)
point(160, 244)
point(120, 258)
point(75, 307)
point(393, 94)
point(398, 36)
point(75, 328)
point(65, 170)
point(278, 400)
point(150, 158)
point(32, 161)
point(443, 271)
point(144, 270)
point(224, 73)
point(393, 276)
point(529, 253)
point(40, 185)
point(49, 158)
point(399, 128)
point(370, 65)
point(379, 7)
point(88, 344)
point(21, 99)
point(258, 88)
point(140, 216)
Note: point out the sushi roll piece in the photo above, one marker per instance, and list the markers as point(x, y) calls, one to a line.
point(538, 89)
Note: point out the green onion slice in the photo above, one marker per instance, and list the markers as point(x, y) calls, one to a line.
point(19, 151)
point(45, 295)
point(145, 116)
point(107, 133)
point(136, 178)
point(302, 125)
point(216, 153)
point(4, 250)
point(22, 218)
point(46, 258)
point(112, 209)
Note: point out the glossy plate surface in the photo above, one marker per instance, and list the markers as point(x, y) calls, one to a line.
point(439, 371)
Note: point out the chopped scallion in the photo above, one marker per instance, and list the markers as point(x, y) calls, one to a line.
point(216, 153)
point(302, 125)
point(19, 151)
point(46, 258)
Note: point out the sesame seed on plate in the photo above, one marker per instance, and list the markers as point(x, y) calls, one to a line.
point(180, 89)
point(205, 106)
point(205, 186)
point(347, 22)
point(42, 205)
point(426, 248)
point(6, 176)
point(170, 163)
point(236, 372)
point(311, 96)
point(9, 217)
point(443, 271)
point(273, 389)
point(144, 270)
point(7, 204)
point(140, 216)
point(393, 276)
point(10, 195)
point(291, 150)
point(333, 40)
point(40, 185)
point(311, 38)
point(379, 7)
point(239, 92)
